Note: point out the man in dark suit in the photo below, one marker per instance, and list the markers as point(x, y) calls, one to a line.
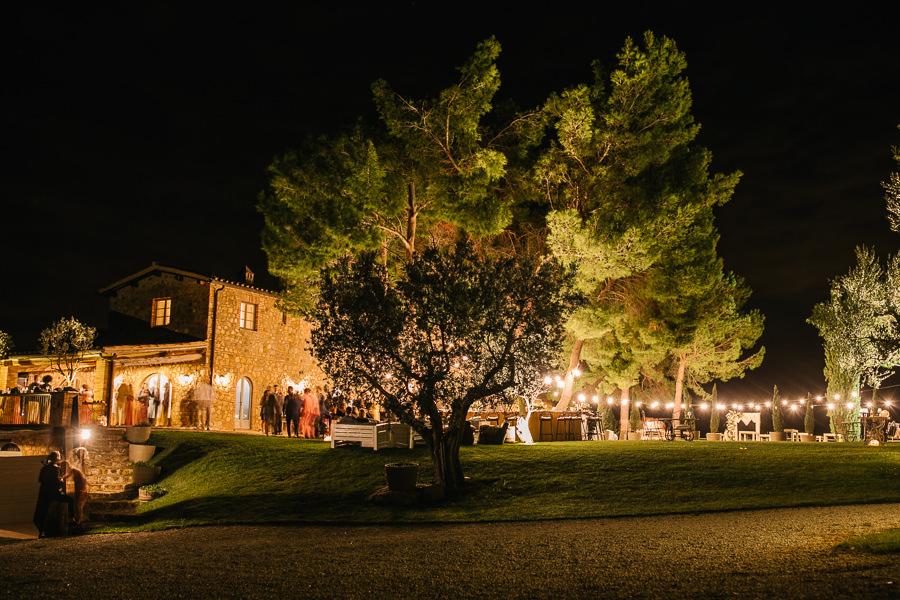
point(292, 410)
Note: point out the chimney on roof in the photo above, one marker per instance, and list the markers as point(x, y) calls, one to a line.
point(248, 275)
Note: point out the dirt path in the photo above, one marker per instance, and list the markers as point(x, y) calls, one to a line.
point(756, 554)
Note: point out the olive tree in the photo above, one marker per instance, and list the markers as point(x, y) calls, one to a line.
point(65, 343)
point(450, 329)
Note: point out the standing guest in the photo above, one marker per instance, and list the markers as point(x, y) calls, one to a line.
point(279, 409)
point(164, 416)
point(292, 411)
point(268, 409)
point(203, 398)
point(143, 404)
point(124, 405)
point(323, 420)
point(51, 490)
point(310, 412)
point(82, 487)
point(35, 386)
point(262, 409)
point(153, 407)
point(86, 407)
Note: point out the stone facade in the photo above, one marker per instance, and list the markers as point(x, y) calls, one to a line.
point(230, 335)
point(189, 295)
point(248, 344)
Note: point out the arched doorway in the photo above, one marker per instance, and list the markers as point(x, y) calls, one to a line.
point(157, 391)
point(242, 396)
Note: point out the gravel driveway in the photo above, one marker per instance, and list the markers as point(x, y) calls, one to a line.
point(754, 554)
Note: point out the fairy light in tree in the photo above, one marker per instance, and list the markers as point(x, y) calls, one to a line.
point(655, 404)
point(609, 401)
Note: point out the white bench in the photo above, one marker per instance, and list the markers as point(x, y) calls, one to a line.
point(372, 435)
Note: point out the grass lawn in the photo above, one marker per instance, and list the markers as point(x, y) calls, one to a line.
point(218, 478)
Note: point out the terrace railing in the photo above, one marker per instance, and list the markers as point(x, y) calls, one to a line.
point(53, 409)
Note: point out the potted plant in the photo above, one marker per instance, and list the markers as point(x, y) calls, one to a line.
point(147, 493)
point(140, 452)
point(610, 423)
point(714, 435)
point(138, 434)
point(634, 423)
point(143, 473)
point(777, 433)
point(809, 422)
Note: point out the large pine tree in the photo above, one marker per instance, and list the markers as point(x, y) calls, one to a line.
point(627, 189)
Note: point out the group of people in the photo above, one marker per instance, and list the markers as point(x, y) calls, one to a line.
point(301, 413)
point(53, 489)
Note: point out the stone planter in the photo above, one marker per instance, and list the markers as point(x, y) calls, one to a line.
point(634, 436)
point(776, 436)
point(146, 495)
point(807, 437)
point(144, 474)
point(140, 452)
point(714, 437)
point(401, 477)
point(137, 434)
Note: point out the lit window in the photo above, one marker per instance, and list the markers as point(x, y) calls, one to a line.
point(248, 316)
point(162, 312)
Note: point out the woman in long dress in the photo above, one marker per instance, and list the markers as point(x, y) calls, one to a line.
point(310, 413)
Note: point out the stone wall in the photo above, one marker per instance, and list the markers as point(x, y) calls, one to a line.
point(276, 352)
point(189, 301)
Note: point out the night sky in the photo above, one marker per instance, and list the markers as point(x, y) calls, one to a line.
point(137, 134)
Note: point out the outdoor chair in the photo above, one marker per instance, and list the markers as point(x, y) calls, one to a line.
point(546, 426)
point(653, 430)
point(564, 427)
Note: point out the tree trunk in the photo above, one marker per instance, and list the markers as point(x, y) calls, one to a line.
point(445, 457)
point(625, 412)
point(679, 391)
point(574, 362)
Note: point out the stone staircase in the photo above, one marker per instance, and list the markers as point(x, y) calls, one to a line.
point(113, 495)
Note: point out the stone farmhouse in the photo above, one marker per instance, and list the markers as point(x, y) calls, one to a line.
point(172, 330)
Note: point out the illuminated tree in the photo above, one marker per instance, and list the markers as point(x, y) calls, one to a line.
point(626, 187)
point(451, 329)
point(860, 323)
point(65, 343)
point(718, 338)
point(809, 419)
point(427, 169)
point(6, 344)
point(777, 411)
point(892, 194)
point(714, 410)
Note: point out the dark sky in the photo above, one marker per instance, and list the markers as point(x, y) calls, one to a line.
point(142, 134)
